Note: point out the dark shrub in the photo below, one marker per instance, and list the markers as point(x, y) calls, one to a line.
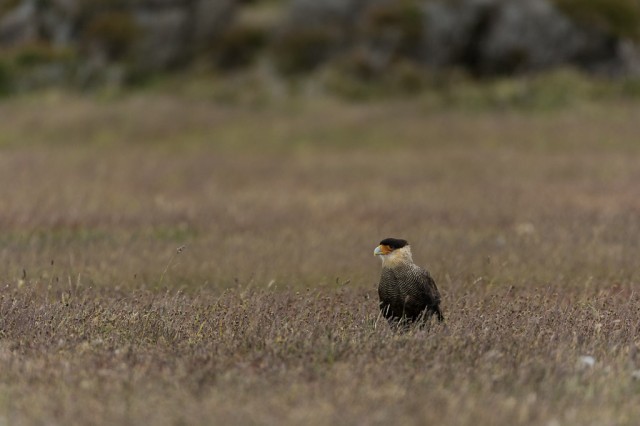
point(5, 78)
point(304, 49)
point(114, 31)
point(620, 18)
point(238, 46)
point(7, 5)
point(399, 23)
point(34, 54)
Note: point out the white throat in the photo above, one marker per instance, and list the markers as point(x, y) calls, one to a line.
point(401, 255)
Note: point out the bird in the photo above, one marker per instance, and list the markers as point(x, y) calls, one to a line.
point(408, 293)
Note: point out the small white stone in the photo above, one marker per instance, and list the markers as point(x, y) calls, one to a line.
point(525, 228)
point(586, 361)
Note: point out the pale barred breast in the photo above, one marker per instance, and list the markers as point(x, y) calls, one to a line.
point(389, 287)
point(399, 283)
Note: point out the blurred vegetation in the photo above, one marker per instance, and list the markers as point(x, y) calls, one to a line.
point(114, 31)
point(402, 20)
point(238, 47)
point(619, 18)
point(545, 91)
point(360, 50)
point(8, 5)
point(303, 50)
point(35, 66)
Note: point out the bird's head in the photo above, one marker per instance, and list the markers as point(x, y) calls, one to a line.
point(393, 250)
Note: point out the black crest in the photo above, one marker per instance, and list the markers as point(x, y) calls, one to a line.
point(394, 243)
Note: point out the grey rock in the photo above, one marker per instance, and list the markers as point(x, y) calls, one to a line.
point(172, 31)
point(531, 35)
point(150, 4)
point(344, 14)
point(58, 21)
point(629, 56)
point(19, 25)
point(453, 30)
point(210, 18)
point(502, 36)
point(164, 37)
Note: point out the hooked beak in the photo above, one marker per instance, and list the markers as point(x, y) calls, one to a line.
point(378, 251)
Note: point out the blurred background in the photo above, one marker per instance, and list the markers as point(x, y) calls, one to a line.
point(351, 48)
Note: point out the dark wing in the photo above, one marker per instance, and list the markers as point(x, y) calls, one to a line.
point(431, 292)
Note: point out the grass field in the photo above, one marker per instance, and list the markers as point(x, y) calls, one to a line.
point(172, 261)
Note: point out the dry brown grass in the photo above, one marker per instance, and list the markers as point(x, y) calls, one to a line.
point(529, 223)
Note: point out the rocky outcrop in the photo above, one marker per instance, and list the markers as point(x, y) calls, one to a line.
point(172, 32)
point(19, 24)
point(501, 37)
point(484, 37)
point(157, 33)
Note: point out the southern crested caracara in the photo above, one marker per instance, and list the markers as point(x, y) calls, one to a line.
point(407, 292)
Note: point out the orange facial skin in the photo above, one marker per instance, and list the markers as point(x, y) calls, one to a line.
point(382, 250)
